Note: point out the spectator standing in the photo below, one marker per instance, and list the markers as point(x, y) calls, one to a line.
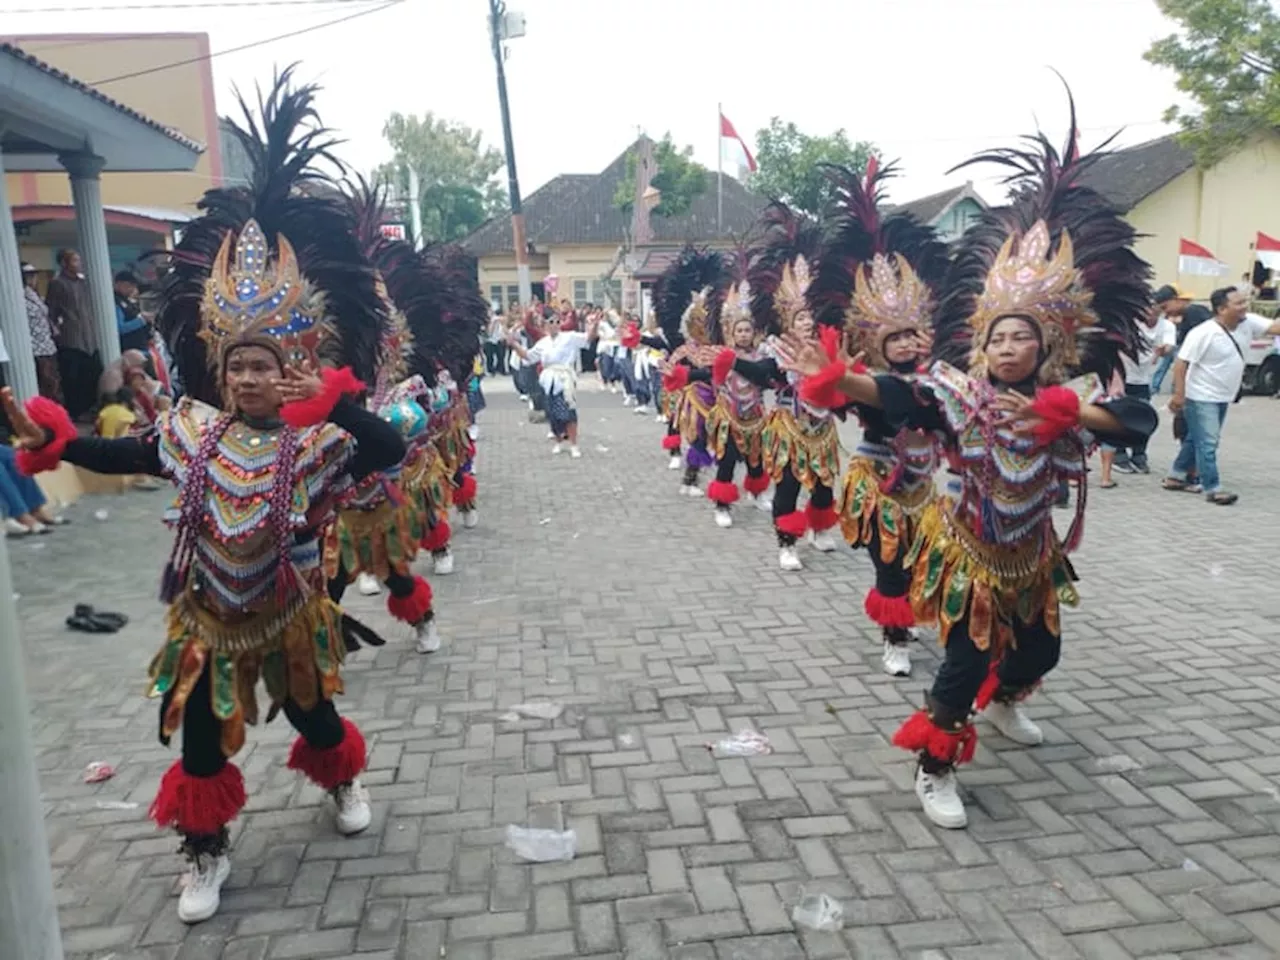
point(1206, 381)
point(43, 346)
point(1183, 314)
point(71, 313)
point(1159, 340)
point(135, 332)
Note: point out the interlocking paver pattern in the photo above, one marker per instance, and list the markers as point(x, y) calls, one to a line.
point(1146, 826)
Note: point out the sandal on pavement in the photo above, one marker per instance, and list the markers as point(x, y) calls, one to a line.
point(90, 620)
point(1109, 485)
point(1222, 498)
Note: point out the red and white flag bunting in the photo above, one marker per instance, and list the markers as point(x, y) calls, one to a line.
point(1267, 250)
point(733, 149)
point(1196, 261)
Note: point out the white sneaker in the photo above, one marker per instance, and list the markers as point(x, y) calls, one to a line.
point(556, 449)
point(642, 409)
point(897, 659)
point(524, 398)
point(824, 541)
point(788, 559)
point(672, 464)
point(763, 502)
point(473, 431)
point(659, 419)
point(1012, 721)
point(14, 529)
point(202, 888)
point(368, 585)
point(724, 519)
point(353, 813)
point(428, 637)
point(940, 798)
point(551, 434)
point(627, 401)
point(575, 452)
point(691, 490)
point(470, 519)
point(613, 388)
point(443, 564)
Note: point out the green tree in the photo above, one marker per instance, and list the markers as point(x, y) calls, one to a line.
point(789, 163)
point(1226, 55)
point(678, 181)
point(457, 176)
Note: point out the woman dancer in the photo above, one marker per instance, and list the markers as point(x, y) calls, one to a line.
point(735, 425)
point(558, 355)
point(265, 285)
point(686, 299)
point(881, 274)
point(1047, 285)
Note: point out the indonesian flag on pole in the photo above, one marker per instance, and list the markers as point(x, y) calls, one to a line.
point(1196, 261)
point(1267, 250)
point(733, 149)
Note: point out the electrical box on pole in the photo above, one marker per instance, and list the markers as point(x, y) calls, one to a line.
point(511, 25)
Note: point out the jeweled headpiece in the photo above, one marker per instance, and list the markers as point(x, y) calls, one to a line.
point(1060, 256)
point(693, 323)
point(791, 300)
point(877, 273)
point(781, 268)
point(736, 308)
point(262, 299)
point(687, 296)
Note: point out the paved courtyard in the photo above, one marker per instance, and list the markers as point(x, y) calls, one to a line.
point(1146, 826)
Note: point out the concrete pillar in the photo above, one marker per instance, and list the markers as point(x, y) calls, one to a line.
point(91, 230)
point(13, 311)
point(28, 916)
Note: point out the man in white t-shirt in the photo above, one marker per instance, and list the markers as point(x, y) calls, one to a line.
point(1206, 381)
point(1159, 338)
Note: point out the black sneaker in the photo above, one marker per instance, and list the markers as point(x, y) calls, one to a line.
point(1141, 466)
point(1124, 466)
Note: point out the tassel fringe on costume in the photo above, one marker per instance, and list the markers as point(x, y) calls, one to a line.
point(198, 805)
point(334, 766)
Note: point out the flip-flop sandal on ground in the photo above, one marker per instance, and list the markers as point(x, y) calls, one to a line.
point(1109, 486)
point(1181, 486)
point(90, 625)
point(110, 621)
point(1221, 499)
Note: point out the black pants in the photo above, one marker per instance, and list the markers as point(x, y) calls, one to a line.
point(964, 666)
point(786, 495)
point(202, 731)
point(1138, 449)
point(80, 373)
point(892, 580)
point(495, 355)
point(729, 463)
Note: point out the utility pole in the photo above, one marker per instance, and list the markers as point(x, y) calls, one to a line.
point(28, 917)
point(415, 208)
point(497, 33)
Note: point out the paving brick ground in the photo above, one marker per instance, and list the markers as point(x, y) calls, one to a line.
point(1146, 826)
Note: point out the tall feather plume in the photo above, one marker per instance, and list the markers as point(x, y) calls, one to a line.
point(453, 341)
point(1045, 185)
point(288, 195)
point(784, 234)
point(695, 269)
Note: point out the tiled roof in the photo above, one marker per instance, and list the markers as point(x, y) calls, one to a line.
point(19, 54)
point(578, 209)
point(929, 209)
point(1127, 177)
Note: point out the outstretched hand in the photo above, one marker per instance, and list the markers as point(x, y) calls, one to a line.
point(1017, 413)
point(298, 383)
point(26, 434)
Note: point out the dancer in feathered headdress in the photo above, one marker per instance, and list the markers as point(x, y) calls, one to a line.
point(687, 298)
point(266, 285)
point(881, 275)
point(378, 533)
point(799, 444)
point(1042, 288)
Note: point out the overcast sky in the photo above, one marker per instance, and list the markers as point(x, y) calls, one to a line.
point(928, 81)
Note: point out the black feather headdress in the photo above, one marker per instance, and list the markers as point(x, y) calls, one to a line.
point(224, 274)
point(1059, 254)
point(877, 274)
point(678, 296)
point(447, 313)
point(781, 266)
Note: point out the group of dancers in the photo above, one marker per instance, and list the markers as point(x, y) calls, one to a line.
point(987, 360)
point(324, 436)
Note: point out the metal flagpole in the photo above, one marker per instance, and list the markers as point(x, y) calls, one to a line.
point(28, 916)
point(719, 168)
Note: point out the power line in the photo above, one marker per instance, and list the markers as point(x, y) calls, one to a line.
point(246, 46)
point(197, 5)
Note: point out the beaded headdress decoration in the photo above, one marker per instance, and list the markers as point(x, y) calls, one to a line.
point(1028, 281)
point(888, 298)
point(693, 322)
point(260, 300)
point(736, 308)
point(790, 300)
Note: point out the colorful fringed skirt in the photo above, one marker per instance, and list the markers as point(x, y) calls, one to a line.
point(692, 410)
point(724, 424)
point(954, 574)
point(378, 541)
point(809, 448)
point(295, 648)
point(868, 512)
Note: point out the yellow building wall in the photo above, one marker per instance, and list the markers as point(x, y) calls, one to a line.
point(1222, 209)
point(585, 263)
point(499, 270)
point(181, 97)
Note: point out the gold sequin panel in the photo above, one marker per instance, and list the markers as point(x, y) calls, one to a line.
point(809, 449)
point(865, 508)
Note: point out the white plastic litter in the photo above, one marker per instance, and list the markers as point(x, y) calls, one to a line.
point(544, 521)
point(1120, 763)
point(1190, 866)
point(115, 805)
point(541, 846)
point(817, 911)
point(744, 743)
point(101, 514)
point(601, 448)
point(542, 710)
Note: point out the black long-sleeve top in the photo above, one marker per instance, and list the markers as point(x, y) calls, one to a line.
point(379, 446)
